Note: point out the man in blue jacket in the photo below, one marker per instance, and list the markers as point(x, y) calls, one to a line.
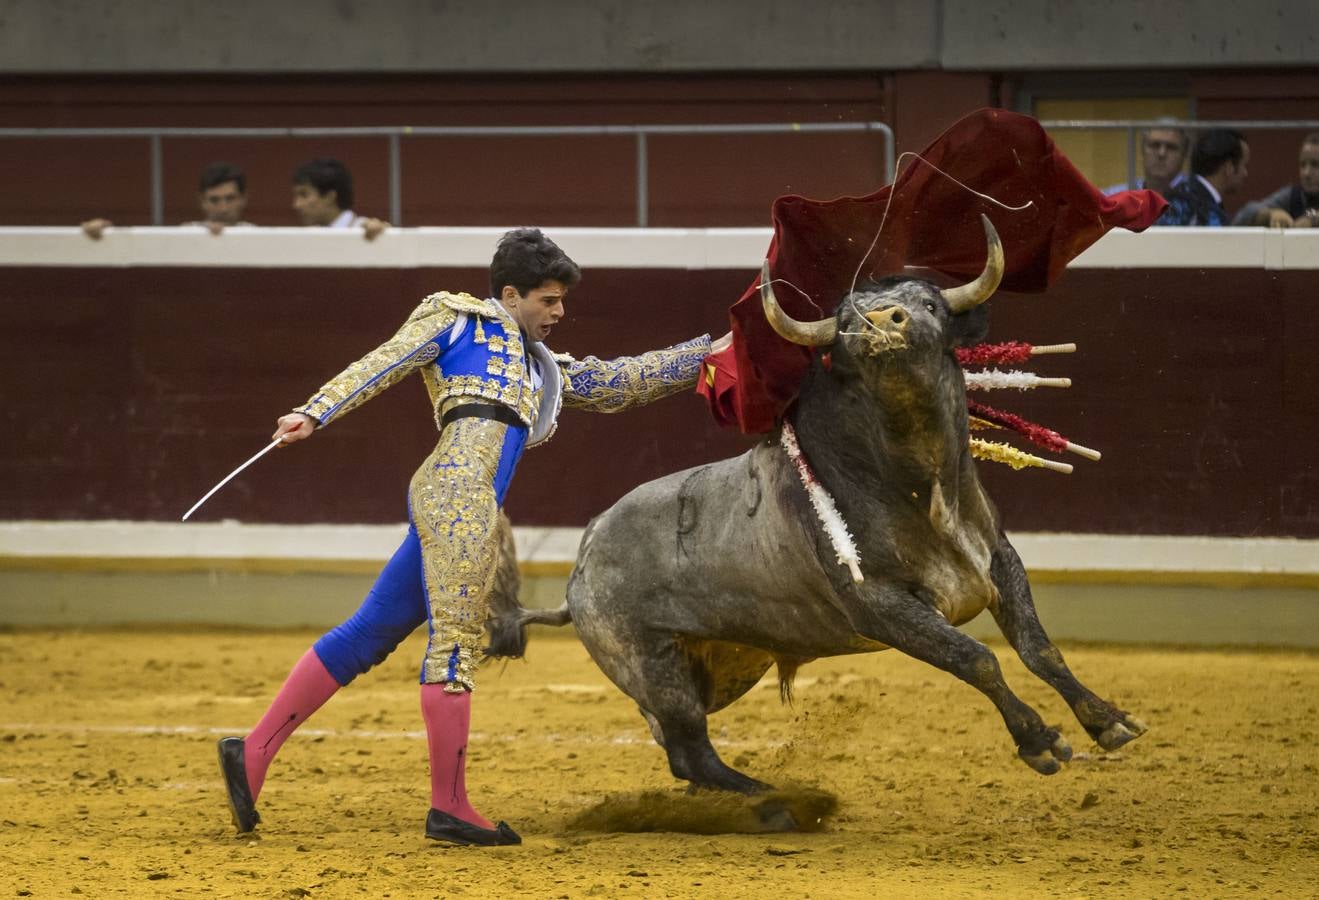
point(1218, 170)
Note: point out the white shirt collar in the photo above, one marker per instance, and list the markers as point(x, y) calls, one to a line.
point(345, 219)
point(1213, 192)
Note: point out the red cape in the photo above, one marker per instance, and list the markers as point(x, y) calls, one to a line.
point(933, 223)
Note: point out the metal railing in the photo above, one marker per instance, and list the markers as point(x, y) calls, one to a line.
point(1132, 126)
point(395, 134)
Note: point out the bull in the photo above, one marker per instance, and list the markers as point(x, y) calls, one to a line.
point(690, 587)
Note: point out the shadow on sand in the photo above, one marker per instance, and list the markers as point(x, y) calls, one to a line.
point(710, 812)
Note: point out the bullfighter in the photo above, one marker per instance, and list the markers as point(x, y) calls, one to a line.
point(495, 389)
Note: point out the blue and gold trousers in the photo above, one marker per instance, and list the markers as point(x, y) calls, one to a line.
point(443, 571)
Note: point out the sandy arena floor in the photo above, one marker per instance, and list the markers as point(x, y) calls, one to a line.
point(109, 786)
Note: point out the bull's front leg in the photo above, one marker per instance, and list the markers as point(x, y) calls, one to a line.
point(908, 623)
point(1015, 614)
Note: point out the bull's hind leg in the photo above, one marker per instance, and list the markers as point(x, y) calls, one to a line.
point(1015, 614)
point(692, 756)
point(910, 624)
point(677, 694)
point(721, 673)
point(672, 688)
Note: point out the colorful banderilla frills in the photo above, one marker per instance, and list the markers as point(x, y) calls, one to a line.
point(984, 416)
point(1036, 434)
point(1017, 459)
point(1008, 353)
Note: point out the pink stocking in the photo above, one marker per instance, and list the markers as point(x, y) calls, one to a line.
point(448, 719)
point(306, 689)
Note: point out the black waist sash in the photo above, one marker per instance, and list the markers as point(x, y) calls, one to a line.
point(494, 411)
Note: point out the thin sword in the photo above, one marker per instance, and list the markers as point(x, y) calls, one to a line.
point(273, 444)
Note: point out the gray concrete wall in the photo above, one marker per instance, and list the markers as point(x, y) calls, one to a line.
point(461, 35)
point(520, 36)
point(1062, 34)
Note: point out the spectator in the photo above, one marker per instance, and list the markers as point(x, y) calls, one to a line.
point(1218, 169)
point(1163, 153)
point(1293, 205)
point(222, 196)
point(323, 197)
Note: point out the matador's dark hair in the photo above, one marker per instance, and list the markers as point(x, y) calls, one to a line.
point(526, 259)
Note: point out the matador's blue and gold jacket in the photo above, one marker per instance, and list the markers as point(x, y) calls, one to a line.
point(471, 350)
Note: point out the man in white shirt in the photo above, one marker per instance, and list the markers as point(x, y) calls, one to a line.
point(222, 197)
point(323, 197)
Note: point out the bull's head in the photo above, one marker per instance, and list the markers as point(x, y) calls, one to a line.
point(883, 322)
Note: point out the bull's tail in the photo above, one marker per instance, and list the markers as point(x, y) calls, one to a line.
point(508, 620)
point(508, 633)
point(555, 617)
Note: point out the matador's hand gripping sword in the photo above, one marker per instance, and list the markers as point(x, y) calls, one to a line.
point(273, 444)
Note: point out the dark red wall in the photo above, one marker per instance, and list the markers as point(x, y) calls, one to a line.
point(1198, 386)
point(729, 180)
point(925, 103)
point(129, 392)
point(551, 181)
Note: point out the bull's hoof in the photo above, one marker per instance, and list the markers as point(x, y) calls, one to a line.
point(1123, 731)
point(1044, 763)
point(729, 780)
point(1048, 761)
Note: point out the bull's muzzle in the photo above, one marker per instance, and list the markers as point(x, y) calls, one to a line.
point(887, 331)
point(890, 318)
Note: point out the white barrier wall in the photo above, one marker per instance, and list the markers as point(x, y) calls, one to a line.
point(622, 248)
point(615, 248)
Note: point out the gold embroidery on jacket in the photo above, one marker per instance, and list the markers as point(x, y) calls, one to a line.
point(413, 347)
point(629, 381)
point(452, 495)
point(464, 302)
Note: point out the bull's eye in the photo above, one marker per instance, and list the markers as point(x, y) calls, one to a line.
point(929, 305)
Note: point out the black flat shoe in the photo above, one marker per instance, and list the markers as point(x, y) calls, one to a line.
point(234, 771)
point(440, 826)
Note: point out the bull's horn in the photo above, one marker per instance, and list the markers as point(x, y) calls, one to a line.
point(810, 334)
point(969, 296)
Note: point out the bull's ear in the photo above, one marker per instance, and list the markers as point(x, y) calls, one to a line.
point(970, 327)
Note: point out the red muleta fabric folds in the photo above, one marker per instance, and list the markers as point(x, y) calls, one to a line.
point(932, 223)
